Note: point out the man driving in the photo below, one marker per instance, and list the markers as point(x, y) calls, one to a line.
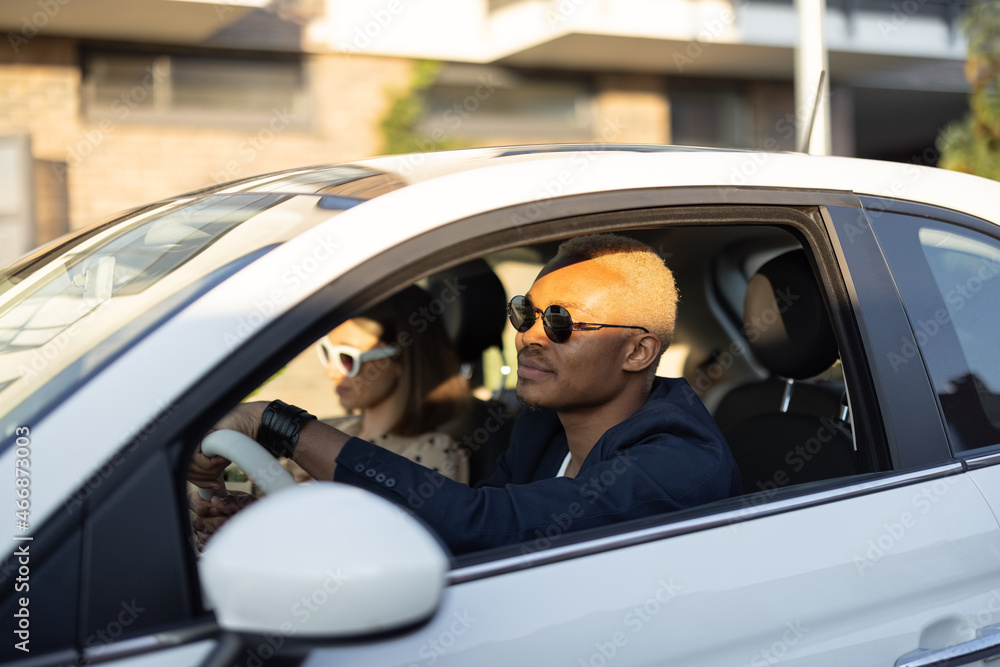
point(604, 440)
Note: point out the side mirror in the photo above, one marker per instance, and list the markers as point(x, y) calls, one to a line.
point(322, 560)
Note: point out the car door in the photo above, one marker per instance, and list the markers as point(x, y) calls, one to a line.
point(863, 571)
point(945, 267)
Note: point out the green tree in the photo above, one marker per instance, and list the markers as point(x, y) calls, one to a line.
point(972, 145)
point(399, 125)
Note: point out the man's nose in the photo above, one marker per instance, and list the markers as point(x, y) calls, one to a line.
point(535, 334)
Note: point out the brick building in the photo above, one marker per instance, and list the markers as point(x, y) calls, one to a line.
point(127, 101)
point(119, 115)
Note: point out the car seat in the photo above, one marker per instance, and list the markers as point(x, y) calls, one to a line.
point(475, 315)
point(782, 431)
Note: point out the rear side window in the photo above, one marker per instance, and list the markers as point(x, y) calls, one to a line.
point(949, 280)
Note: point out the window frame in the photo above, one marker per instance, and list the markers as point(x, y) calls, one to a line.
point(528, 224)
point(962, 222)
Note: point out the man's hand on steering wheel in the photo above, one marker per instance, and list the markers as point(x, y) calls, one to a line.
point(205, 470)
point(209, 515)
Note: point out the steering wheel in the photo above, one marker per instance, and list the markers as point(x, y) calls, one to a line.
point(247, 453)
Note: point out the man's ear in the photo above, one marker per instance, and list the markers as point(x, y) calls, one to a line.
point(642, 351)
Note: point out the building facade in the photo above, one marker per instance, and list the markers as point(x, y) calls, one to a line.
point(123, 102)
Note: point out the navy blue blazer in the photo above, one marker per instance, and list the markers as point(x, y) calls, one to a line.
point(668, 455)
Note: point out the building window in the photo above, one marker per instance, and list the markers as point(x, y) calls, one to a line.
point(710, 114)
point(472, 103)
point(185, 88)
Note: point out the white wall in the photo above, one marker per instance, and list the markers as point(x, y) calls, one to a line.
point(17, 209)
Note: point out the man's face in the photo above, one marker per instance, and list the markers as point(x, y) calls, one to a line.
point(586, 370)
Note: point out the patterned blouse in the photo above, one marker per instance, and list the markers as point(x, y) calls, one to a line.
point(437, 451)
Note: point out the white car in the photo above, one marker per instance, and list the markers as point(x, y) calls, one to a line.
point(862, 404)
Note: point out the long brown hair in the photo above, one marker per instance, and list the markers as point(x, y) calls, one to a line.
point(431, 382)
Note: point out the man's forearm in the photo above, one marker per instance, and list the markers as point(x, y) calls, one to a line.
point(318, 448)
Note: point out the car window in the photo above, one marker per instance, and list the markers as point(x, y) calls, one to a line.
point(946, 276)
point(817, 443)
point(62, 317)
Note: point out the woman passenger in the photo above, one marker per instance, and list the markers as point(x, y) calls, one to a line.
point(395, 372)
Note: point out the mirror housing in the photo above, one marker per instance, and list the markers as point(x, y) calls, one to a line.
point(322, 559)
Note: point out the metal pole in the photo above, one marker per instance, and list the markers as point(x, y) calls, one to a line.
point(810, 62)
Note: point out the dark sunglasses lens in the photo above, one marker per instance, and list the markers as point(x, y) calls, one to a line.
point(558, 323)
point(521, 313)
point(347, 362)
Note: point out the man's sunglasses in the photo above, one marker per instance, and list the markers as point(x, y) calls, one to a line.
point(556, 320)
point(348, 359)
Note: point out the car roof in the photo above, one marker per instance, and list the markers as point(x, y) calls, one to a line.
point(648, 165)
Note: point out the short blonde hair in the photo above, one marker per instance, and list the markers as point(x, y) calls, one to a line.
point(648, 291)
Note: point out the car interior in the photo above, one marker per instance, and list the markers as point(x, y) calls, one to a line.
point(754, 338)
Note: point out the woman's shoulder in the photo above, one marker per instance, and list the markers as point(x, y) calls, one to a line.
point(435, 450)
point(432, 440)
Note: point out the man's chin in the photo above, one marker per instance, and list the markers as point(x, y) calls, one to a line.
point(530, 401)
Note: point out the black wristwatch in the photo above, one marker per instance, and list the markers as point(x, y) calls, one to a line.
point(279, 427)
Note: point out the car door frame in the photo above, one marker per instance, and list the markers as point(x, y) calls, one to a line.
point(265, 351)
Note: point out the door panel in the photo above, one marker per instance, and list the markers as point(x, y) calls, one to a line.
point(855, 581)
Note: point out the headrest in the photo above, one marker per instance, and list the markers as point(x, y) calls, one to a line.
point(785, 320)
point(475, 307)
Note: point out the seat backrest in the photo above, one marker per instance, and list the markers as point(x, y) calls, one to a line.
point(789, 332)
point(474, 309)
point(474, 305)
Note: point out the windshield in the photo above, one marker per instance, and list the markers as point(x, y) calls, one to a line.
point(68, 310)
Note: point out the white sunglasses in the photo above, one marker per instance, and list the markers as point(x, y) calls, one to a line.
point(348, 359)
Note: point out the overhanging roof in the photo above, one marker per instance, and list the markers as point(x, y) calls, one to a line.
point(158, 21)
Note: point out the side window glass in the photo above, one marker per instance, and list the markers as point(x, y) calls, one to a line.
point(947, 278)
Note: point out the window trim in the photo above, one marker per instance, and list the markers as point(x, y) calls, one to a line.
point(921, 431)
point(261, 355)
point(889, 481)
